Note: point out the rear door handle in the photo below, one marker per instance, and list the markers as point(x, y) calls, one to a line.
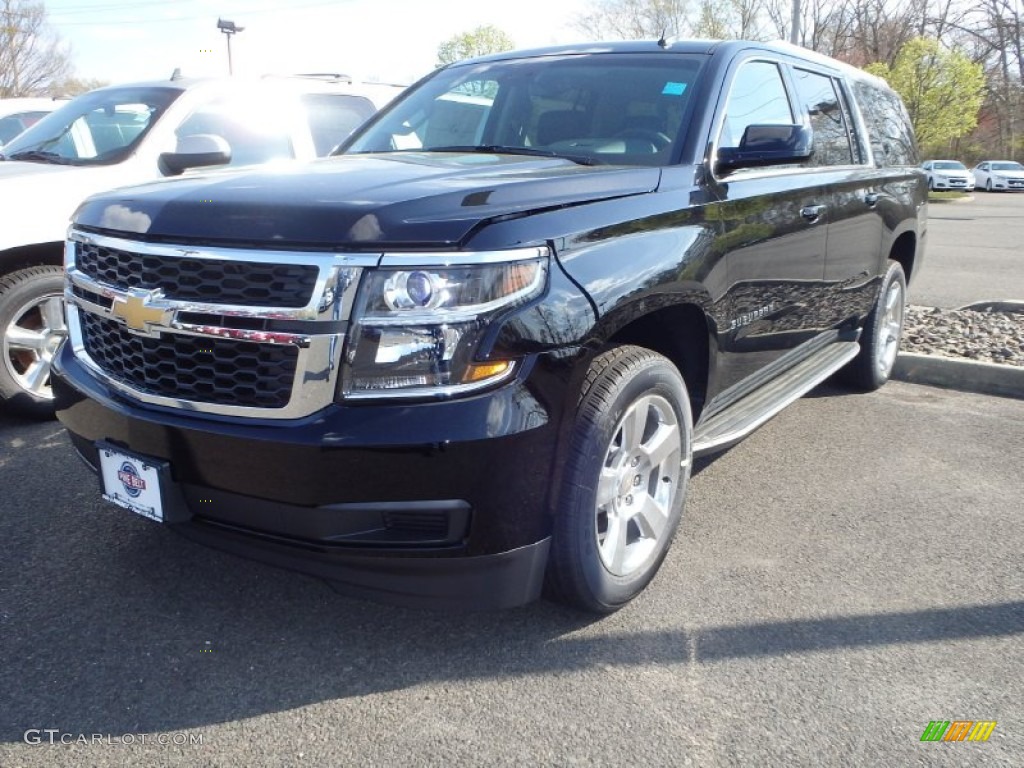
point(813, 212)
point(871, 199)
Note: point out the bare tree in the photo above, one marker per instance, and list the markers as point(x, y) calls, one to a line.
point(637, 19)
point(722, 19)
point(31, 55)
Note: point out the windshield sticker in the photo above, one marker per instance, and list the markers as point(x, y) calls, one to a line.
point(673, 89)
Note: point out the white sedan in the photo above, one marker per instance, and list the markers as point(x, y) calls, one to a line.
point(948, 174)
point(992, 175)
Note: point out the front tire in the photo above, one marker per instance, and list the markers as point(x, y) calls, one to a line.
point(880, 341)
point(32, 325)
point(625, 482)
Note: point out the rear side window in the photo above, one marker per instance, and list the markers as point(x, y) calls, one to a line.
point(757, 97)
point(820, 104)
point(892, 138)
point(333, 117)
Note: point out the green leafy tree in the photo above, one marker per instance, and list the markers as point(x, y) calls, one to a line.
point(943, 89)
point(478, 42)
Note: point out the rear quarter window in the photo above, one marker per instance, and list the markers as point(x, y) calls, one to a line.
point(889, 131)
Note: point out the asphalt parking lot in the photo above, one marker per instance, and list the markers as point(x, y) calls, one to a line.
point(973, 251)
point(844, 576)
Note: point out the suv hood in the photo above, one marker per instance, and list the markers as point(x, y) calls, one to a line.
point(403, 199)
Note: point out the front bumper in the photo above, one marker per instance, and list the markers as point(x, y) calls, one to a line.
point(440, 503)
point(951, 184)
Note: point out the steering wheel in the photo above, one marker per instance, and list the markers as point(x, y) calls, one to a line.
point(657, 139)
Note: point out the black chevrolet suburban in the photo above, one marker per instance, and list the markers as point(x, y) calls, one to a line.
point(473, 356)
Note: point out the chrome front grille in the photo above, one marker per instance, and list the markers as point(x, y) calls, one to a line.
point(209, 370)
point(221, 281)
point(211, 330)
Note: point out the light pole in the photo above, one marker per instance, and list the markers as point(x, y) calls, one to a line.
point(229, 28)
point(794, 33)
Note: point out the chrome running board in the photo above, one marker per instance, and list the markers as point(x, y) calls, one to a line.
point(735, 422)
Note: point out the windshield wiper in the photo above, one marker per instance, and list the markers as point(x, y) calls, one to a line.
point(498, 149)
point(36, 155)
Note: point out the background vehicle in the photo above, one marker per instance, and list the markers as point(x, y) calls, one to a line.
point(948, 174)
point(18, 114)
point(127, 134)
point(477, 350)
point(997, 175)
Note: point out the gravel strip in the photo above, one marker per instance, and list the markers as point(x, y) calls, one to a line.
point(992, 337)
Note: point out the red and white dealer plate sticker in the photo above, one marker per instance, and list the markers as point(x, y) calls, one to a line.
point(132, 483)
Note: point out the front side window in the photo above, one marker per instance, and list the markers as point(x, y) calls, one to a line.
point(621, 109)
point(98, 128)
point(757, 97)
point(257, 128)
point(820, 105)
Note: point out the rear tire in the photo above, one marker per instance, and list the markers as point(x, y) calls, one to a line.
point(32, 326)
point(880, 341)
point(628, 467)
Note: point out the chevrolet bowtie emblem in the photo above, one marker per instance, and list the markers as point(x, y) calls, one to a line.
point(137, 313)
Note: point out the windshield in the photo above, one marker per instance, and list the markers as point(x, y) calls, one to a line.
point(1008, 166)
point(949, 165)
point(623, 109)
point(98, 128)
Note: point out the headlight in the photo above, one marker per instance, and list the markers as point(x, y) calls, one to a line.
point(417, 329)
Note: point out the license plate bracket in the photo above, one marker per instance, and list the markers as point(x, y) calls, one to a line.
point(138, 483)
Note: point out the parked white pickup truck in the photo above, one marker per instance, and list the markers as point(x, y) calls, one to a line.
point(122, 135)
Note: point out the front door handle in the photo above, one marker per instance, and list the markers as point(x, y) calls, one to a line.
point(871, 199)
point(813, 212)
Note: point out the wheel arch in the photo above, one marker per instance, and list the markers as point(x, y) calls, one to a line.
point(37, 254)
point(904, 251)
point(680, 332)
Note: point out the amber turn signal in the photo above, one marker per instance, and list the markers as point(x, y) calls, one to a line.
point(482, 371)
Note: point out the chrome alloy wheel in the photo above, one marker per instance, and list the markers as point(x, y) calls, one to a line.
point(30, 341)
point(890, 329)
point(637, 484)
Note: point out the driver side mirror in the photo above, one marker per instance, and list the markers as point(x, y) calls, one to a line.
point(199, 150)
point(765, 145)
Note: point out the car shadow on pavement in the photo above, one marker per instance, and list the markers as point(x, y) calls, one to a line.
point(112, 624)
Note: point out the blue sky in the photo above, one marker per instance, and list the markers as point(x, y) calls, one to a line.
point(386, 40)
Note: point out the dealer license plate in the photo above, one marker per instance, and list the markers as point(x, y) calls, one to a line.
point(131, 482)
